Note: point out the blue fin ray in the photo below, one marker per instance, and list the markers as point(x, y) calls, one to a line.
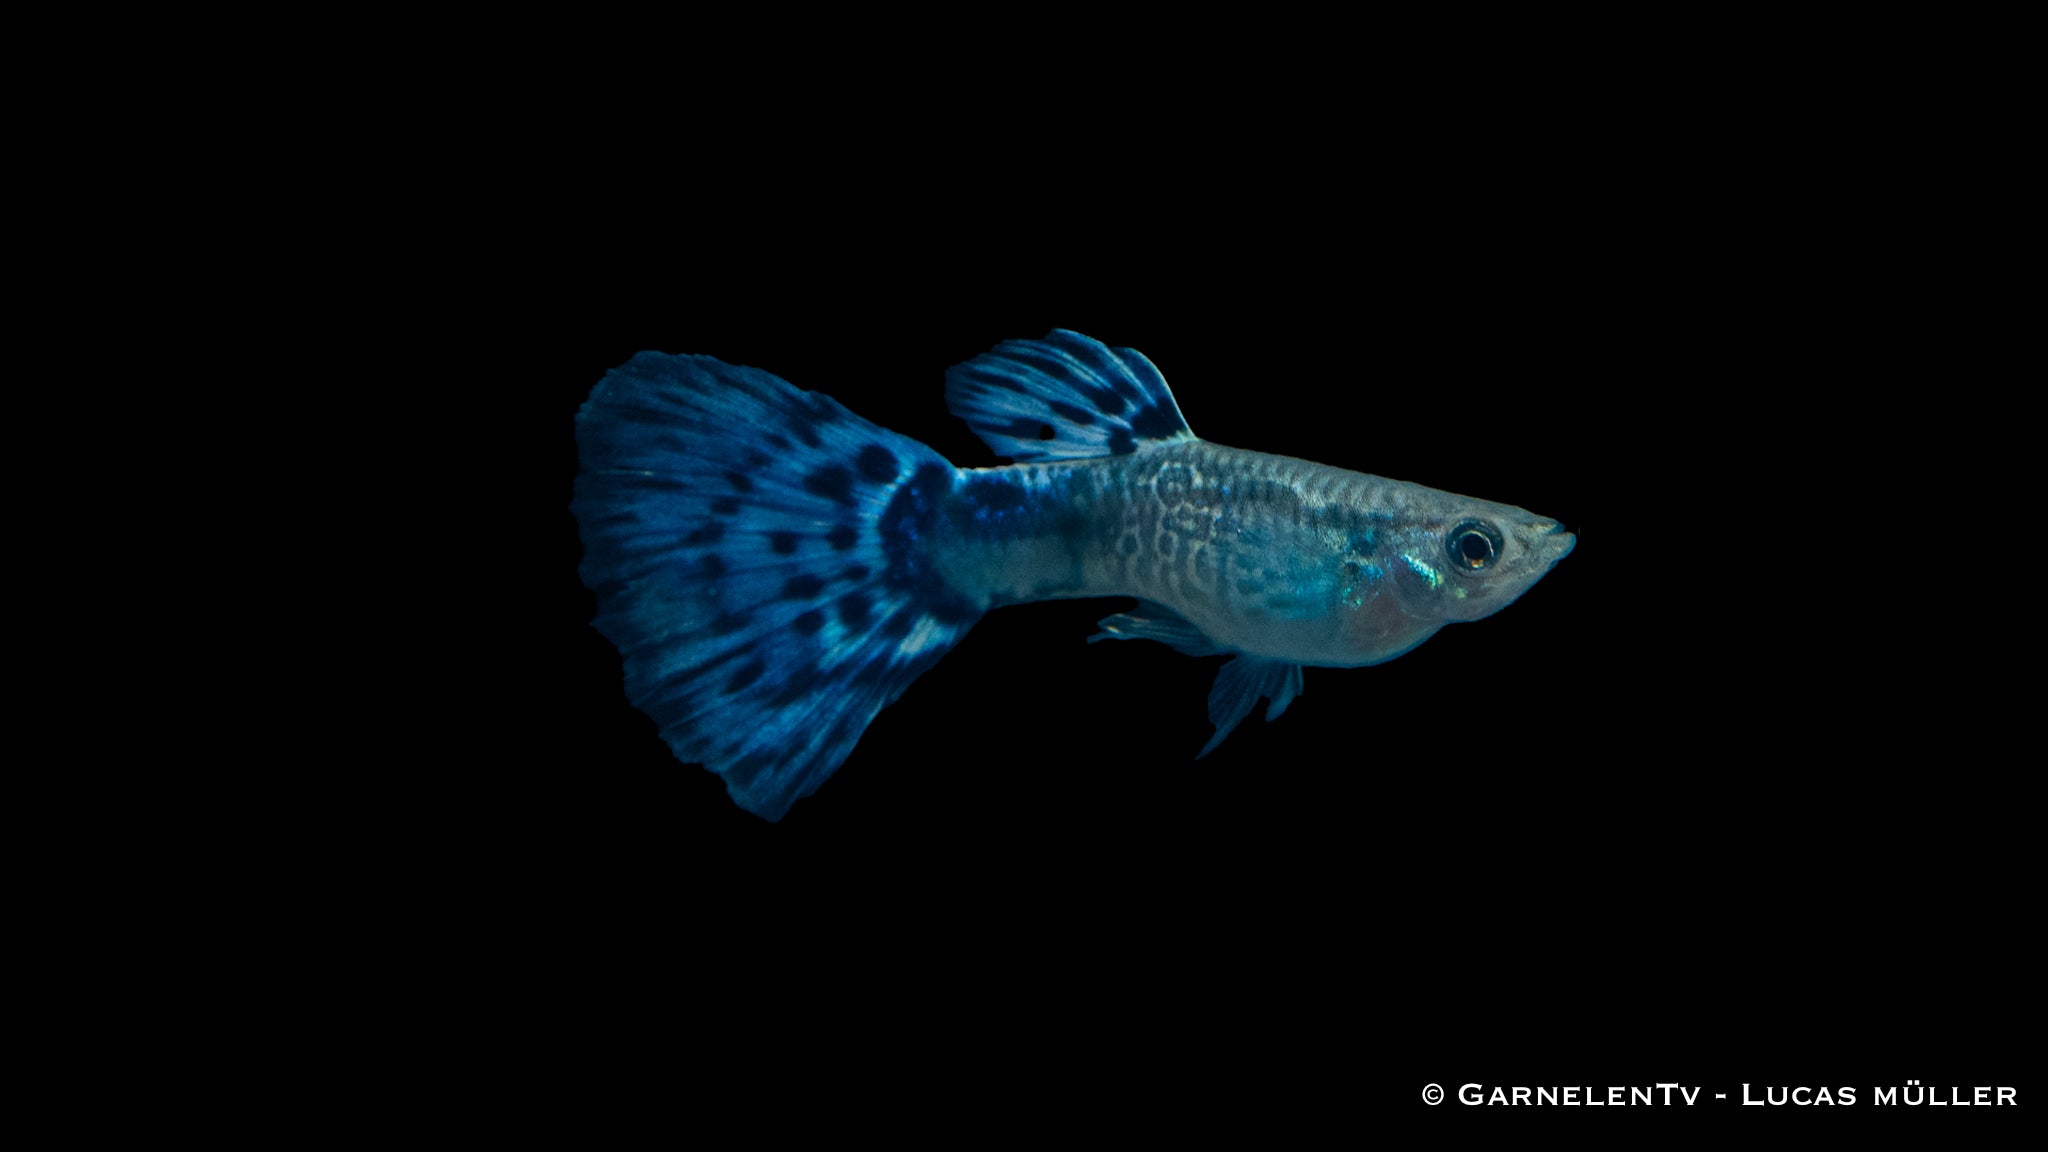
point(1240, 684)
point(1092, 399)
point(754, 551)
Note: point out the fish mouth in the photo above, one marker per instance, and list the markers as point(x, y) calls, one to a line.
point(1550, 537)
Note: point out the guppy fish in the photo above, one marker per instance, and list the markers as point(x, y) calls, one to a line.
point(776, 570)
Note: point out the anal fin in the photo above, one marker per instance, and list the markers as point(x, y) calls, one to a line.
point(1240, 684)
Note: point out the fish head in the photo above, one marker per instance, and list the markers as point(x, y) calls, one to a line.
point(1466, 559)
point(1442, 559)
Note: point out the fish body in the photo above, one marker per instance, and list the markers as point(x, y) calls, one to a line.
point(775, 570)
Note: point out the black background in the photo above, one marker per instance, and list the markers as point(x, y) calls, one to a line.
point(1726, 798)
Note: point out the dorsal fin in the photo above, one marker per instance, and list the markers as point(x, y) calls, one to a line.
point(1064, 397)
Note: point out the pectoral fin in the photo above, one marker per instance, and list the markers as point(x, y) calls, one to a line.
point(1149, 621)
point(1240, 684)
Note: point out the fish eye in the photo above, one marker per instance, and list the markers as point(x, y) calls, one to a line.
point(1473, 545)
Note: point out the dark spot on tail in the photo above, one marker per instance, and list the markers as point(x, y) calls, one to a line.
point(711, 566)
point(804, 587)
point(1047, 432)
point(739, 481)
point(854, 610)
point(730, 622)
point(897, 626)
point(709, 534)
point(832, 482)
point(878, 464)
point(802, 681)
point(809, 622)
point(1120, 442)
point(745, 677)
point(842, 537)
point(725, 505)
point(807, 434)
point(783, 543)
point(776, 442)
point(855, 572)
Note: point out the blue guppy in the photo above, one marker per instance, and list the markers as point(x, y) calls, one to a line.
point(776, 570)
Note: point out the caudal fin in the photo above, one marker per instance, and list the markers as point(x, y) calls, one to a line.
point(755, 550)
